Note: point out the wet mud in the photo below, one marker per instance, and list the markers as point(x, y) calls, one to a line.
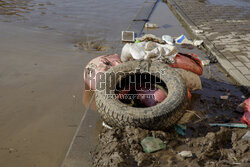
point(94, 45)
point(210, 146)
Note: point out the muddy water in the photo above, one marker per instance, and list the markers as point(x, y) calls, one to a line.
point(41, 72)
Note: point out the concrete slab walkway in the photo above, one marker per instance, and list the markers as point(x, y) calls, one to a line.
point(225, 28)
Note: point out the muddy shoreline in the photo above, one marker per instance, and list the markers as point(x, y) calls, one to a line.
point(210, 146)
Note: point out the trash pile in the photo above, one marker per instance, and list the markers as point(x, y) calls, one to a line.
point(151, 47)
point(149, 131)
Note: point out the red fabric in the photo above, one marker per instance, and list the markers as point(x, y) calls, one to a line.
point(246, 117)
point(190, 62)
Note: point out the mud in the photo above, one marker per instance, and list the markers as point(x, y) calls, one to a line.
point(210, 146)
point(93, 45)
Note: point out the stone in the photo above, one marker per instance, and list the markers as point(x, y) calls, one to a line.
point(223, 97)
point(246, 136)
point(186, 154)
point(151, 144)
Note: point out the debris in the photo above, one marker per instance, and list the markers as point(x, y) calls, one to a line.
point(183, 40)
point(189, 116)
point(246, 136)
point(128, 36)
point(205, 62)
point(186, 154)
point(137, 41)
point(198, 31)
point(151, 25)
point(192, 80)
point(148, 50)
point(190, 62)
point(168, 39)
point(231, 125)
point(246, 117)
point(151, 37)
point(106, 126)
point(151, 144)
point(158, 94)
point(180, 129)
point(223, 97)
point(97, 65)
point(197, 42)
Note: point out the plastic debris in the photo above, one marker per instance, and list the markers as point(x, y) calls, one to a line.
point(183, 40)
point(186, 154)
point(246, 136)
point(106, 126)
point(168, 39)
point(198, 31)
point(180, 129)
point(148, 50)
point(197, 42)
point(151, 144)
point(151, 25)
point(231, 125)
point(205, 62)
point(128, 36)
point(223, 97)
point(246, 117)
point(137, 41)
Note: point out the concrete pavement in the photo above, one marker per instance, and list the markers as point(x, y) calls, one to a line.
point(225, 28)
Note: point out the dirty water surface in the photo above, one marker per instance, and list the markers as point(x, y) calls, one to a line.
point(210, 146)
point(44, 46)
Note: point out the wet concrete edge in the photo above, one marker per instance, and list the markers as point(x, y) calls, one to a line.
point(209, 47)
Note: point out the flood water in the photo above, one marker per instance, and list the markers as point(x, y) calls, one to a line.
point(41, 80)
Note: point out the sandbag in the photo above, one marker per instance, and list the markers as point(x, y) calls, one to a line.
point(189, 62)
point(147, 50)
point(246, 117)
point(192, 80)
point(99, 65)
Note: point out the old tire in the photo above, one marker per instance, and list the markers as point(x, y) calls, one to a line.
point(117, 114)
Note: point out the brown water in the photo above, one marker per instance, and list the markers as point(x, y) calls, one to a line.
point(41, 81)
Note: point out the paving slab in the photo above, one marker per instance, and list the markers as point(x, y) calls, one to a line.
point(226, 31)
